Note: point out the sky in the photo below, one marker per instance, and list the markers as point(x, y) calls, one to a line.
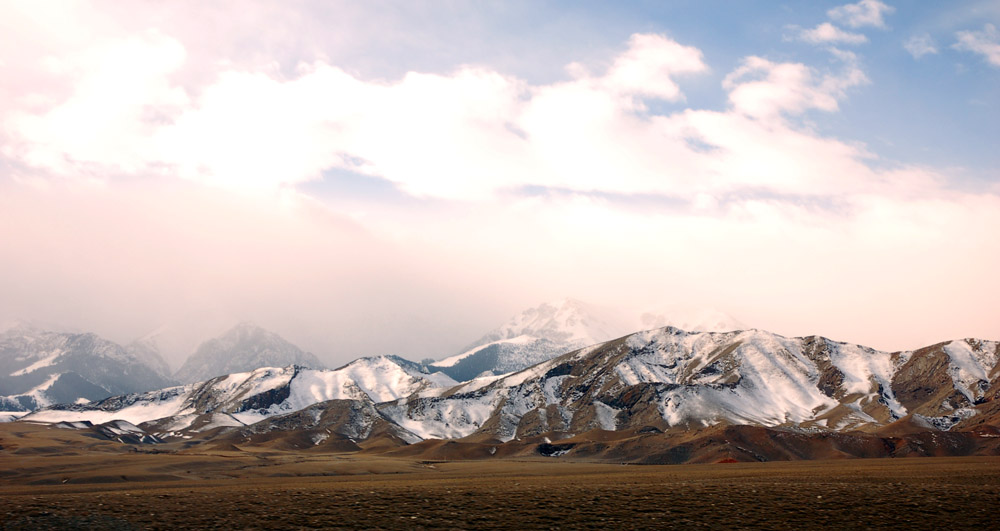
point(381, 177)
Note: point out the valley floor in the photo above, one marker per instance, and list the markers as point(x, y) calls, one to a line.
point(288, 490)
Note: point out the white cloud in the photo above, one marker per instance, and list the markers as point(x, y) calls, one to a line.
point(765, 89)
point(920, 45)
point(752, 205)
point(985, 43)
point(648, 66)
point(469, 135)
point(827, 33)
point(462, 135)
point(121, 97)
point(863, 13)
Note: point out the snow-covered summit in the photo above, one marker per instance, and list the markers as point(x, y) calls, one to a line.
point(534, 335)
point(672, 379)
point(564, 322)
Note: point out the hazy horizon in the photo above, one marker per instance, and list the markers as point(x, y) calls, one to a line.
point(400, 178)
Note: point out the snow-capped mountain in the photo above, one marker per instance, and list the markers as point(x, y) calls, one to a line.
point(668, 379)
point(39, 368)
point(533, 336)
point(246, 398)
point(242, 349)
point(743, 394)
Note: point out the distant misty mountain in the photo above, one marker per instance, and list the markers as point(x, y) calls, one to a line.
point(148, 351)
point(690, 319)
point(39, 368)
point(535, 335)
point(546, 331)
point(244, 348)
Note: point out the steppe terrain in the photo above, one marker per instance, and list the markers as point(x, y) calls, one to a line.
point(53, 478)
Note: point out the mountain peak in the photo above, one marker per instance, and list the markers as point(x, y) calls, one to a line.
point(534, 335)
point(246, 328)
point(567, 321)
point(243, 348)
point(39, 367)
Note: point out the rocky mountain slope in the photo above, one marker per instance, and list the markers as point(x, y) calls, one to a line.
point(40, 368)
point(241, 349)
point(669, 379)
point(657, 396)
point(550, 329)
point(243, 399)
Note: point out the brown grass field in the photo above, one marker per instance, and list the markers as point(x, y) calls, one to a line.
point(59, 479)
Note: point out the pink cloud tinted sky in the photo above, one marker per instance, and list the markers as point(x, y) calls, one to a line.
point(394, 179)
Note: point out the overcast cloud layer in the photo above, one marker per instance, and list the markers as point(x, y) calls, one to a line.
point(400, 180)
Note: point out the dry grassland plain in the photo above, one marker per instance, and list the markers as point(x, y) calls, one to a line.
point(57, 480)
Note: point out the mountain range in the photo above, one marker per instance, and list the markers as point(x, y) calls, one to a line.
point(663, 395)
point(43, 367)
point(543, 332)
point(40, 368)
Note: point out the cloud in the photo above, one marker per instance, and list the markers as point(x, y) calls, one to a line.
point(431, 134)
point(985, 43)
point(765, 89)
point(121, 95)
point(827, 33)
point(648, 66)
point(863, 13)
point(920, 45)
point(175, 189)
point(468, 135)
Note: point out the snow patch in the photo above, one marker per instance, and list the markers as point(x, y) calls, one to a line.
point(968, 367)
point(44, 362)
point(451, 361)
point(10, 416)
point(606, 416)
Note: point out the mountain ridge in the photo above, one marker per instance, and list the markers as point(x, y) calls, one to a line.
point(40, 367)
point(552, 328)
point(663, 385)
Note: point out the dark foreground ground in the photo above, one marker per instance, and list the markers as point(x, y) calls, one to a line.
point(373, 493)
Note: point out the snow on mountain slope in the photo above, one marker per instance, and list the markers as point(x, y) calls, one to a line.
point(519, 340)
point(669, 378)
point(245, 398)
point(551, 329)
point(534, 335)
point(385, 378)
point(969, 366)
point(243, 348)
point(39, 367)
point(568, 321)
point(47, 361)
point(665, 379)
